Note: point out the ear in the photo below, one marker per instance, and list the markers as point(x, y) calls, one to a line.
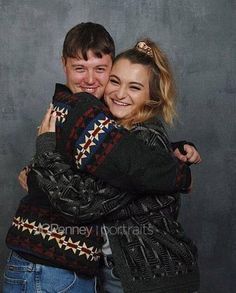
point(63, 61)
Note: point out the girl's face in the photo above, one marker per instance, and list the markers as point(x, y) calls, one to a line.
point(127, 88)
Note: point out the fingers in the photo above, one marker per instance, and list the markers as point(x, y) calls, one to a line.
point(48, 123)
point(52, 123)
point(189, 151)
point(45, 122)
point(179, 156)
point(22, 178)
point(192, 154)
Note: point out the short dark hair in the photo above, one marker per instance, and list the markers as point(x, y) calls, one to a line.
point(87, 36)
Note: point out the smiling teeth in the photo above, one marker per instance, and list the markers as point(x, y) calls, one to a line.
point(89, 90)
point(120, 103)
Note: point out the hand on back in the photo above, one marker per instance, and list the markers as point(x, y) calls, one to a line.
point(191, 155)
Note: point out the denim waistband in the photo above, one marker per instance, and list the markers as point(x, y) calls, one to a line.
point(108, 261)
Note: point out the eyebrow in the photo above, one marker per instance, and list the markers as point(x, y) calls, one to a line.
point(75, 65)
point(82, 65)
point(136, 83)
point(101, 65)
point(132, 82)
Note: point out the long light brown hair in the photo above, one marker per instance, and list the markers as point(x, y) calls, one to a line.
point(161, 84)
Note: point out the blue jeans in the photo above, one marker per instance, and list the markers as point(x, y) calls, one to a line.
point(22, 276)
point(108, 280)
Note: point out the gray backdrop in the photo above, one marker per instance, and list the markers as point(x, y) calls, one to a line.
point(199, 38)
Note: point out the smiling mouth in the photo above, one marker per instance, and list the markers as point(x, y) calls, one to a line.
point(89, 89)
point(120, 103)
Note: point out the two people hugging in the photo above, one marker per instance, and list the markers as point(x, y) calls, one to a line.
point(104, 162)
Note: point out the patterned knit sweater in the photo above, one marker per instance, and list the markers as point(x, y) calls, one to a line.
point(90, 141)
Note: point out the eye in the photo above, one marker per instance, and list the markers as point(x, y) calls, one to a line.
point(79, 69)
point(114, 81)
point(101, 69)
point(136, 88)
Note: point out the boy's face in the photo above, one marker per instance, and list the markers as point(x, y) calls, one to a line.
point(89, 76)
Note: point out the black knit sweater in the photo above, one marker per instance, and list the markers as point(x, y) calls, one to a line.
point(150, 249)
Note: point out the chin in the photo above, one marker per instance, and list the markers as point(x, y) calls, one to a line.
point(119, 115)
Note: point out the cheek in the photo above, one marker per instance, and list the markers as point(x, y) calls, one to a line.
point(77, 77)
point(108, 90)
point(138, 101)
point(104, 78)
point(107, 100)
point(106, 94)
point(70, 73)
point(142, 99)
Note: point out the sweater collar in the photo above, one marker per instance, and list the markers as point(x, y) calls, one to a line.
point(61, 92)
point(62, 87)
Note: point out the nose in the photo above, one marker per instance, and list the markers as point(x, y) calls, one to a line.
point(90, 77)
point(121, 93)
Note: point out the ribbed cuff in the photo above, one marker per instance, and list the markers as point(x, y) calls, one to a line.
point(45, 142)
point(180, 146)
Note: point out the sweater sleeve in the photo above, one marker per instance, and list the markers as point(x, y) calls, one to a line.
point(77, 196)
point(94, 143)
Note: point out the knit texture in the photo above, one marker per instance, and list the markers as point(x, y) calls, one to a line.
point(45, 142)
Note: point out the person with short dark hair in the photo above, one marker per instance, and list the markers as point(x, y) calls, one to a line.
point(47, 252)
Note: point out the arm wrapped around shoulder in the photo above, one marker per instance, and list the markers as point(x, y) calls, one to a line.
point(134, 166)
point(94, 143)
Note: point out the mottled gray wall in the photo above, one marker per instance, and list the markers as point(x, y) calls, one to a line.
point(198, 36)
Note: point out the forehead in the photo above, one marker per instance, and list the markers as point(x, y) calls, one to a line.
point(129, 72)
point(92, 60)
